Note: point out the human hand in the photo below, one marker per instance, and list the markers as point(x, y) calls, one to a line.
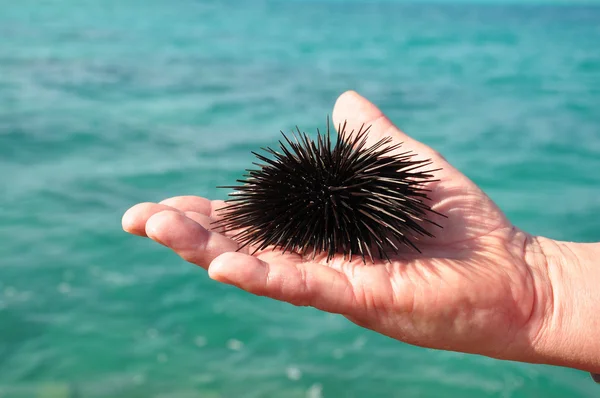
point(480, 286)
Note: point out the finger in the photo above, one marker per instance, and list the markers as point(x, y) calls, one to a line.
point(199, 209)
point(299, 284)
point(354, 110)
point(134, 220)
point(217, 207)
point(190, 203)
point(187, 238)
point(218, 213)
point(205, 221)
point(196, 204)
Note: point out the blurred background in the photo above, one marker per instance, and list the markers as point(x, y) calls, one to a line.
point(104, 104)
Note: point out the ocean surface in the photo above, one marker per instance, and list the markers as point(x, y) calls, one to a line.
point(104, 104)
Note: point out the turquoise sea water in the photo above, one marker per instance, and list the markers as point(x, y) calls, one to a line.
point(104, 104)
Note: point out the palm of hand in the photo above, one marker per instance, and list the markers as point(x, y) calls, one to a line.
point(470, 290)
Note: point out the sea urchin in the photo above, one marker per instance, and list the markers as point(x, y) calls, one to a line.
point(332, 198)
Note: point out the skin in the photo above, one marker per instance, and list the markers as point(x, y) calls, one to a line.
point(482, 286)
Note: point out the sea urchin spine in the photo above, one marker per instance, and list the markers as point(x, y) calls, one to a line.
point(344, 198)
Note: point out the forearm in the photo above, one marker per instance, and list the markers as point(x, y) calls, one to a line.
point(570, 335)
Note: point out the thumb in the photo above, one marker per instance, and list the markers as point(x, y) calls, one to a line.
point(355, 111)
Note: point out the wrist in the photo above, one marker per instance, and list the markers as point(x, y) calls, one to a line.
point(568, 335)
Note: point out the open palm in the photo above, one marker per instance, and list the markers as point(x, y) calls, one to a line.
point(476, 287)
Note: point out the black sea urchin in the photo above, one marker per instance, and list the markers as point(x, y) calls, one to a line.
point(344, 198)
